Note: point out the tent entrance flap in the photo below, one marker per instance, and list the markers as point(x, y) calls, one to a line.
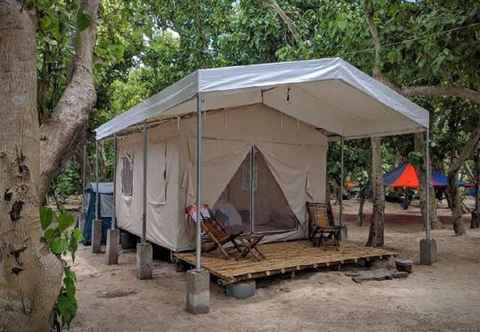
point(253, 201)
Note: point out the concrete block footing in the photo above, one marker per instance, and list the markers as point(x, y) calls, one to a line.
point(113, 238)
point(241, 290)
point(144, 261)
point(198, 291)
point(428, 251)
point(96, 236)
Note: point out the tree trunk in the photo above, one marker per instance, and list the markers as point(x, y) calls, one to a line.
point(452, 189)
point(30, 276)
point(66, 128)
point(455, 204)
point(375, 236)
point(361, 215)
point(475, 222)
point(432, 203)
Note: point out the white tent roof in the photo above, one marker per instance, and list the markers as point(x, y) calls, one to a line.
point(330, 94)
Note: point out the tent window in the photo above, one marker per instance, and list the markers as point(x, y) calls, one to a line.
point(127, 175)
point(157, 173)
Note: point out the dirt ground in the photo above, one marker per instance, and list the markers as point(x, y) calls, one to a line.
point(442, 297)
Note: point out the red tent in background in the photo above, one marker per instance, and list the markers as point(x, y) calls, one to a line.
point(405, 176)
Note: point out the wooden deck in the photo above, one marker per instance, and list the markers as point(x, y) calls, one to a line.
point(283, 257)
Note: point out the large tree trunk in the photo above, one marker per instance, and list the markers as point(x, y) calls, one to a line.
point(432, 203)
point(454, 200)
point(66, 128)
point(30, 276)
point(455, 204)
point(375, 236)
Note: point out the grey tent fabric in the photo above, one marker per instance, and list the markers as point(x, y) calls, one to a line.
point(329, 93)
point(106, 197)
point(103, 187)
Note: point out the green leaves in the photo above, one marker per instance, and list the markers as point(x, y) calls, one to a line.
point(415, 158)
point(83, 20)
point(65, 220)
point(58, 246)
point(58, 232)
point(62, 239)
point(67, 304)
point(46, 217)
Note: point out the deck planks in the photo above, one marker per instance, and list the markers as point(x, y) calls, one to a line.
point(283, 257)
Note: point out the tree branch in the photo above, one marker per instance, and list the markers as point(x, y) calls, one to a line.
point(372, 27)
point(443, 91)
point(65, 128)
point(430, 91)
point(273, 4)
point(466, 152)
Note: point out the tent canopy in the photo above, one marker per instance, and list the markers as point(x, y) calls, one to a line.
point(329, 94)
point(405, 176)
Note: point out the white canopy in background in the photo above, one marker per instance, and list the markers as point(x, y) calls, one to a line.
point(329, 94)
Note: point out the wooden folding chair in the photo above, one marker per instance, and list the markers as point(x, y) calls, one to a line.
point(321, 225)
point(244, 244)
point(220, 238)
point(250, 242)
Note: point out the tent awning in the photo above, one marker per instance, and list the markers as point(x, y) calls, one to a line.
point(329, 94)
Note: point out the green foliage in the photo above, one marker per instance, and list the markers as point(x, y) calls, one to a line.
point(62, 239)
point(68, 182)
point(59, 22)
point(83, 20)
point(143, 46)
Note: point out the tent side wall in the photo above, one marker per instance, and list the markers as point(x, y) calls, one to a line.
point(162, 184)
point(294, 151)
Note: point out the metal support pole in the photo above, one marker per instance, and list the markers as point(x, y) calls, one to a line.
point(428, 174)
point(145, 160)
point(340, 217)
point(198, 251)
point(114, 176)
point(97, 196)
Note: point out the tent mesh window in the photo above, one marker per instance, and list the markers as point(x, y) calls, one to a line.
point(255, 204)
point(127, 175)
point(272, 211)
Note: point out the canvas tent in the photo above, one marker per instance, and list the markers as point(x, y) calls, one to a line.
point(257, 135)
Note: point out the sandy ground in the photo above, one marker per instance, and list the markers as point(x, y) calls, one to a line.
point(442, 297)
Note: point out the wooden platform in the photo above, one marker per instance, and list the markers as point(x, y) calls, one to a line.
point(283, 257)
